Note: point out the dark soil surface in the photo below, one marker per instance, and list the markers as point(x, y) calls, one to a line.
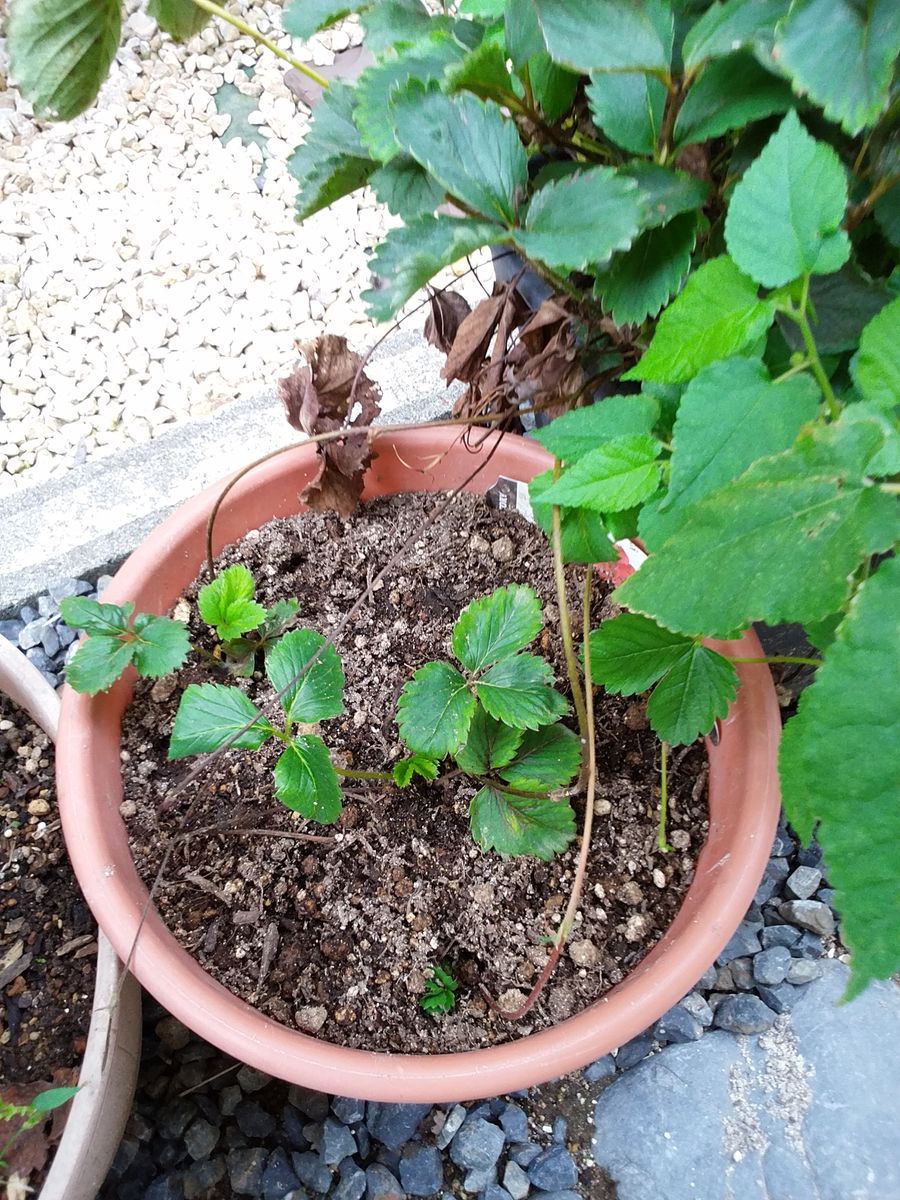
point(339, 937)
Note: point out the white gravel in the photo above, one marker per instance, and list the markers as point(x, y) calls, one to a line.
point(144, 277)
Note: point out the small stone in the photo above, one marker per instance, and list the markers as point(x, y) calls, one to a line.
point(245, 1170)
point(38, 807)
point(312, 1104)
point(634, 1051)
point(279, 1177)
point(292, 1125)
point(809, 946)
point(167, 1187)
point(584, 953)
point(253, 1120)
point(200, 1180)
point(780, 999)
point(175, 1117)
point(172, 1034)
point(771, 966)
point(697, 1007)
point(826, 895)
point(779, 935)
point(50, 642)
point(395, 1124)
point(742, 973)
point(352, 1183)
point(503, 550)
point(479, 1178)
point(803, 882)
point(494, 1191)
point(514, 1123)
point(382, 1185)
point(338, 1142)
point(677, 1025)
point(783, 843)
point(524, 1153)
point(312, 1171)
point(744, 1014)
point(69, 587)
point(452, 1124)
point(347, 1110)
point(810, 856)
point(478, 1145)
point(33, 633)
point(553, 1169)
point(200, 1139)
point(744, 941)
point(803, 970)
point(560, 1130)
point(229, 1098)
point(251, 1080)
point(707, 980)
point(602, 1068)
point(809, 914)
point(478, 544)
point(516, 1181)
point(421, 1170)
point(311, 1017)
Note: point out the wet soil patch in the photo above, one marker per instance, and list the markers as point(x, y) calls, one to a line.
point(338, 938)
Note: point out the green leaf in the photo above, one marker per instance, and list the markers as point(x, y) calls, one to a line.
point(227, 603)
point(411, 255)
point(161, 645)
point(482, 72)
point(181, 19)
point(839, 767)
point(209, 714)
point(630, 652)
point(607, 35)
point(687, 700)
point(277, 618)
point(524, 39)
point(548, 758)
point(778, 544)
point(390, 23)
point(730, 415)
point(641, 280)
point(784, 216)
point(552, 86)
point(577, 433)
point(469, 147)
point(886, 460)
point(490, 744)
point(332, 162)
point(416, 764)
point(406, 188)
point(821, 633)
point(486, 10)
point(303, 18)
point(730, 94)
point(876, 366)
point(724, 28)
point(617, 475)
point(517, 692)
point(583, 535)
point(306, 782)
point(61, 50)
point(666, 192)
point(579, 221)
point(520, 825)
point(80, 613)
point(887, 215)
point(435, 710)
point(318, 693)
point(52, 1098)
point(716, 315)
point(98, 663)
point(841, 305)
point(628, 108)
point(842, 56)
point(496, 626)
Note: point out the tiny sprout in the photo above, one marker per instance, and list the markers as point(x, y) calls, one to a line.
point(440, 991)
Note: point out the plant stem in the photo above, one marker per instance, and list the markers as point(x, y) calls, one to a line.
point(792, 371)
point(510, 791)
point(663, 798)
point(384, 776)
point(802, 320)
point(224, 15)
point(780, 658)
point(565, 626)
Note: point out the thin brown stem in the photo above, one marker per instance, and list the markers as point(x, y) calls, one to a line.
point(293, 834)
point(663, 798)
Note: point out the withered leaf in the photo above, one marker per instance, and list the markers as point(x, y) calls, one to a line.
point(448, 310)
point(466, 356)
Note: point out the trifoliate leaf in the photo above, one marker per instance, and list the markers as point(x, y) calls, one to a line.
point(98, 663)
point(306, 782)
point(584, 537)
point(435, 710)
point(606, 35)
point(665, 192)
point(618, 474)
point(639, 281)
point(496, 626)
point(160, 645)
point(209, 714)
point(839, 766)
point(842, 56)
point(416, 764)
point(181, 19)
point(406, 188)
point(412, 254)
point(490, 744)
point(61, 51)
point(581, 220)
point(778, 544)
point(227, 603)
point(577, 433)
point(628, 108)
point(548, 758)
point(318, 693)
point(784, 216)
point(876, 366)
point(517, 692)
point(687, 700)
point(277, 618)
point(630, 652)
point(332, 161)
point(716, 315)
point(730, 94)
point(303, 18)
point(521, 825)
point(94, 618)
point(724, 28)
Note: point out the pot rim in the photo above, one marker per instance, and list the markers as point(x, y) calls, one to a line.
point(744, 808)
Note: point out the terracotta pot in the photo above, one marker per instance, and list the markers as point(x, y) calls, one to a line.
point(744, 806)
point(97, 1115)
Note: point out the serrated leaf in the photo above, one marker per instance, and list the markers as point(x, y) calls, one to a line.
point(731, 93)
point(778, 544)
point(886, 459)
point(209, 714)
point(160, 645)
point(580, 221)
point(584, 537)
point(303, 18)
point(716, 315)
point(839, 766)
point(79, 612)
point(406, 188)
point(318, 693)
point(496, 626)
point(547, 758)
point(606, 35)
point(97, 664)
point(521, 825)
point(523, 35)
point(842, 56)
point(306, 782)
point(617, 475)
point(517, 692)
point(552, 86)
point(483, 70)
point(61, 51)
point(577, 433)
point(641, 280)
point(490, 744)
point(416, 764)
point(400, 23)
point(277, 618)
point(332, 161)
point(731, 414)
point(628, 108)
point(181, 19)
point(666, 192)
point(630, 652)
point(227, 603)
point(409, 256)
point(687, 700)
point(876, 366)
point(467, 145)
point(435, 710)
point(724, 28)
point(784, 217)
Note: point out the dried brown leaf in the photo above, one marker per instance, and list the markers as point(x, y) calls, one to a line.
point(467, 354)
point(448, 311)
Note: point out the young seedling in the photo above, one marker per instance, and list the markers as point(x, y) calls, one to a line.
point(32, 1114)
point(242, 626)
point(440, 991)
point(155, 645)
